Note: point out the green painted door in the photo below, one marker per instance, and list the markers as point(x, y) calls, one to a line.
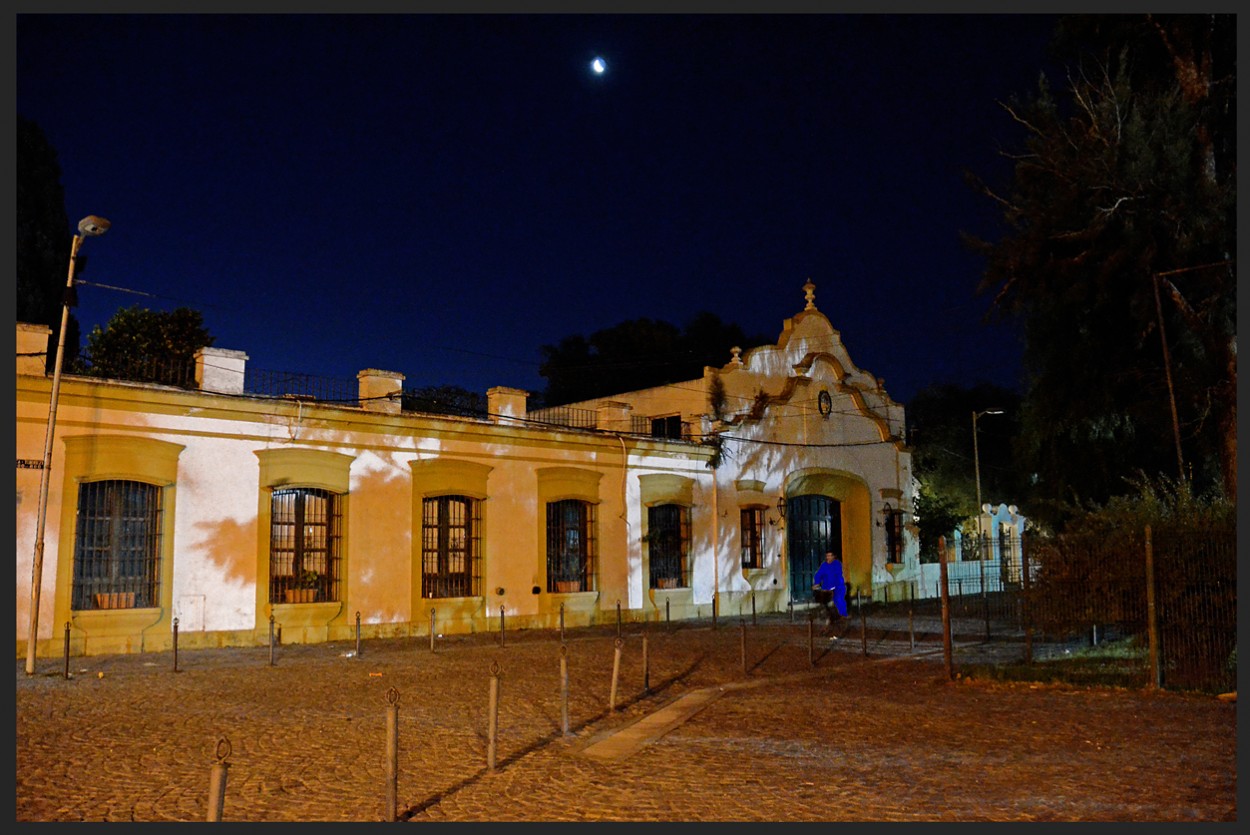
point(813, 526)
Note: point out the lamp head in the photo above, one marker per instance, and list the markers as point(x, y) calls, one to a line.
point(92, 225)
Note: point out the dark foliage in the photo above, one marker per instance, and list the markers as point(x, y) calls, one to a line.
point(637, 354)
point(147, 346)
point(1124, 187)
point(43, 236)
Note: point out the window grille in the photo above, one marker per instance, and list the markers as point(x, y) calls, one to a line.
point(570, 546)
point(666, 427)
point(565, 416)
point(450, 546)
point(753, 537)
point(304, 545)
point(668, 539)
point(894, 536)
point(117, 545)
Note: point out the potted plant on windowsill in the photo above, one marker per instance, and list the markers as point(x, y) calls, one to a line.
point(569, 576)
point(305, 589)
point(115, 600)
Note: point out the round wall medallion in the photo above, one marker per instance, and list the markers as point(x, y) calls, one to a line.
point(825, 403)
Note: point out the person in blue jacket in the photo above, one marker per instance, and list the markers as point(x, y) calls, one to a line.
point(829, 588)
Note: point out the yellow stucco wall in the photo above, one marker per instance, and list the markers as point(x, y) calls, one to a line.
point(218, 457)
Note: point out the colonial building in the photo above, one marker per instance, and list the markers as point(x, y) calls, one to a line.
point(223, 509)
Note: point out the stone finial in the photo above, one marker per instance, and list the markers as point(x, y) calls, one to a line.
point(809, 291)
point(737, 355)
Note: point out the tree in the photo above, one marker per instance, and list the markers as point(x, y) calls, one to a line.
point(637, 354)
point(147, 346)
point(43, 237)
point(939, 430)
point(936, 516)
point(1124, 186)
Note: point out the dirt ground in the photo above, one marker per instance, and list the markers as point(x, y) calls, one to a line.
point(882, 737)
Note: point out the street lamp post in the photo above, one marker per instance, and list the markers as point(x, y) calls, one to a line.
point(976, 464)
point(88, 227)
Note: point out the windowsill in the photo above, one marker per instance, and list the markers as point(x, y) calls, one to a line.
point(122, 620)
point(122, 610)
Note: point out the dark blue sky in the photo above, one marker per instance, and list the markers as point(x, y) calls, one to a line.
point(442, 195)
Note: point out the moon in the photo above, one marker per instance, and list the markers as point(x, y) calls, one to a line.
point(599, 66)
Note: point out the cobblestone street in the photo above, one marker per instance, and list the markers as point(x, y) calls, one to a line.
point(128, 739)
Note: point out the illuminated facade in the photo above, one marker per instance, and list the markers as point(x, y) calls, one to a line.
point(222, 508)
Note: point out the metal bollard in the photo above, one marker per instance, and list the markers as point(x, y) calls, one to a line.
point(618, 618)
point(432, 632)
point(714, 608)
point(357, 634)
point(271, 640)
point(790, 606)
point(501, 638)
point(646, 667)
point(753, 609)
point(67, 649)
point(811, 641)
point(911, 616)
point(562, 623)
point(863, 623)
point(564, 689)
point(217, 781)
point(492, 733)
point(944, 591)
point(743, 630)
point(392, 754)
point(175, 645)
point(668, 611)
point(616, 675)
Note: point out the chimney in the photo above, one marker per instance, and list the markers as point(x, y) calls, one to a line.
point(219, 370)
point(613, 416)
point(32, 348)
point(504, 403)
point(380, 390)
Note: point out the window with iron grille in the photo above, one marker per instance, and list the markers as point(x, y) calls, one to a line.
point(450, 546)
point(304, 545)
point(668, 543)
point(117, 545)
point(753, 537)
point(666, 427)
point(894, 536)
point(570, 546)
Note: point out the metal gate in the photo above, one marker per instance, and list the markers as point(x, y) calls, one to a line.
point(813, 526)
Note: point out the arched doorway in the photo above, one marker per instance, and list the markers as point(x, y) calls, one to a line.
point(813, 526)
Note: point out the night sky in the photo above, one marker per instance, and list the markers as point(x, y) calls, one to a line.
point(441, 195)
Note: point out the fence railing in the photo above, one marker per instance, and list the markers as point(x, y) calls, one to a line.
point(1091, 600)
point(566, 416)
point(290, 384)
point(162, 370)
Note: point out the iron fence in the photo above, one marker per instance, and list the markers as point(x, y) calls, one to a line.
point(289, 384)
point(1087, 600)
point(566, 416)
point(457, 404)
point(162, 370)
